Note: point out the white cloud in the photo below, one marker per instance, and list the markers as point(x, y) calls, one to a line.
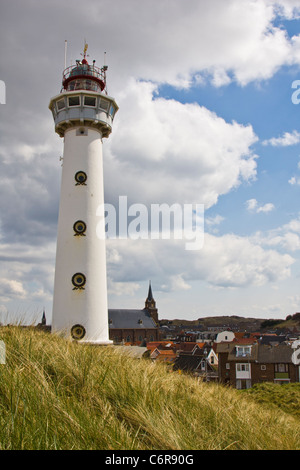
point(224, 261)
point(121, 288)
point(294, 180)
point(178, 283)
point(162, 41)
point(10, 288)
point(252, 205)
point(286, 237)
point(288, 138)
point(184, 151)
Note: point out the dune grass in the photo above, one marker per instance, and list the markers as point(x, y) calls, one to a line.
point(56, 394)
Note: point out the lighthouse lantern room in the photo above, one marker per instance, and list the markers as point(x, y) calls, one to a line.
point(83, 115)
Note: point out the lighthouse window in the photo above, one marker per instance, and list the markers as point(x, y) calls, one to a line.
point(90, 101)
point(78, 281)
point(112, 111)
point(104, 104)
point(74, 100)
point(80, 177)
point(60, 104)
point(77, 332)
point(79, 228)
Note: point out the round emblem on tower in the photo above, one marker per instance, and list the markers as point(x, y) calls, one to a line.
point(78, 281)
point(79, 228)
point(77, 332)
point(80, 178)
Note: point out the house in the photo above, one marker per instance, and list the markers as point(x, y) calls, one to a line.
point(244, 362)
point(195, 364)
point(212, 356)
point(163, 355)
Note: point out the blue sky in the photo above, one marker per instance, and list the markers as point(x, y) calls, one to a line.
point(205, 116)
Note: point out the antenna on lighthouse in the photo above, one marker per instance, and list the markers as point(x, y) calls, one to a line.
point(66, 44)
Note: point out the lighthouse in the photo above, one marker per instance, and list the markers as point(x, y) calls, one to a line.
point(83, 115)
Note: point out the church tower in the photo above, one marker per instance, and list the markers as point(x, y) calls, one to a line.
point(150, 305)
point(83, 115)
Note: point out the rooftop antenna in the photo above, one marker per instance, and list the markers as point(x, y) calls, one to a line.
point(104, 68)
point(66, 44)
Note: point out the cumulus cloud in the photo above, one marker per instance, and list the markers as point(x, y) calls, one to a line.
point(288, 138)
point(286, 237)
point(224, 261)
point(253, 206)
point(11, 288)
point(186, 151)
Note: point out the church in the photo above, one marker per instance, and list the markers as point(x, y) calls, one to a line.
point(134, 326)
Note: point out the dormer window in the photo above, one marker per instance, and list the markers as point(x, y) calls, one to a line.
point(140, 322)
point(243, 351)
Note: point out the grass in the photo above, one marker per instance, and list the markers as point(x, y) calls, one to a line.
point(56, 394)
point(285, 397)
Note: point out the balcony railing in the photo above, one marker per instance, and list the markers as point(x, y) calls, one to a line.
point(83, 75)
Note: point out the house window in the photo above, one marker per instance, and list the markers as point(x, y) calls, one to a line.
point(227, 365)
point(242, 367)
point(281, 368)
point(263, 367)
point(243, 384)
point(243, 351)
point(128, 339)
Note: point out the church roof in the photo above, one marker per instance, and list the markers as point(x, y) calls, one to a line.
point(150, 295)
point(124, 318)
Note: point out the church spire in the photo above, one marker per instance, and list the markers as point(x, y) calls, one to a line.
point(150, 296)
point(150, 304)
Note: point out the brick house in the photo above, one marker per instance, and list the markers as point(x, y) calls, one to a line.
point(244, 363)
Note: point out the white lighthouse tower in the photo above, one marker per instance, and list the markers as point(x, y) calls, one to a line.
point(83, 114)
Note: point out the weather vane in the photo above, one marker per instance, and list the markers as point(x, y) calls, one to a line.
point(84, 50)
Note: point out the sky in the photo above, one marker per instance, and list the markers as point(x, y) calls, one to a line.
point(208, 114)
